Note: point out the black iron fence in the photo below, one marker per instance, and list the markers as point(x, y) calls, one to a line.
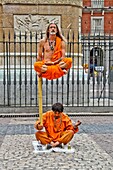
point(89, 82)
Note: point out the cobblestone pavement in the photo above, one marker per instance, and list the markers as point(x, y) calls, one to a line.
point(93, 146)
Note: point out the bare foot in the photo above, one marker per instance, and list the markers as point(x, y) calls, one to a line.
point(54, 144)
point(65, 71)
point(44, 68)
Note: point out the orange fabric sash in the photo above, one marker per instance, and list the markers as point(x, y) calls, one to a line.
point(58, 52)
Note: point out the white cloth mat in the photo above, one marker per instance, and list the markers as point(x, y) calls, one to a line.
point(39, 148)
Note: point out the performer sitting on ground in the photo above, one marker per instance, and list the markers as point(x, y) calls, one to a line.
point(51, 61)
point(59, 128)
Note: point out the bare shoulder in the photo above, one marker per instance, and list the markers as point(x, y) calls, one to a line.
point(62, 43)
point(42, 42)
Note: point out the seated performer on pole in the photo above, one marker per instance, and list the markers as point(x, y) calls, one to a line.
point(51, 61)
point(59, 129)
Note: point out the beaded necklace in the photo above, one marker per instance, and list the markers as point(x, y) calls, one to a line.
point(57, 125)
point(52, 44)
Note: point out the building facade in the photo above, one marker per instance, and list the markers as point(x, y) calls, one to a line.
point(33, 16)
point(97, 17)
point(97, 28)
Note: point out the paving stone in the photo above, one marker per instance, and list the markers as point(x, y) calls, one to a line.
point(93, 147)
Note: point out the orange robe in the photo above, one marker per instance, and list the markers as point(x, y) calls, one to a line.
point(53, 71)
point(60, 130)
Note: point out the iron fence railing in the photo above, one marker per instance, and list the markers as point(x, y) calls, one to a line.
point(88, 83)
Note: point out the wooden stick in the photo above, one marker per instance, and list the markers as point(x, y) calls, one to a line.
point(40, 99)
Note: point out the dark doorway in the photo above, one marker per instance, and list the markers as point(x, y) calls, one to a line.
point(96, 58)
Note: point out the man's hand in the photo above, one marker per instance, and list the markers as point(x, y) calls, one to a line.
point(77, 124)
point(49, 63)
point(38, 126)
point(53, 63)
point(57, 61)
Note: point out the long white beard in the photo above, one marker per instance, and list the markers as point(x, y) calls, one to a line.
point(52, 33)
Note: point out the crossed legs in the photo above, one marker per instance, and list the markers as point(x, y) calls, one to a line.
point(62, 65)
point(65, 137)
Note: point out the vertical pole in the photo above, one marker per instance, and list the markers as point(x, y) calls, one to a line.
point(40, 99)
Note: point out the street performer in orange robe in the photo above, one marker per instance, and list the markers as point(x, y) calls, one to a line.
point(51, 61)
point(59, 129)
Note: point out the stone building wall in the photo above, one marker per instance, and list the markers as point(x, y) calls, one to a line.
point(34, 15)
point(68, 11)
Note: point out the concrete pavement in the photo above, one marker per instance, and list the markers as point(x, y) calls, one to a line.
point(93, 146)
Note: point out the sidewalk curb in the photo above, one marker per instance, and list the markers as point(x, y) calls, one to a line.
point(4, 115)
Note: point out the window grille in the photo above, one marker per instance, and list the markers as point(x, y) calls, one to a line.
point(97, 3)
